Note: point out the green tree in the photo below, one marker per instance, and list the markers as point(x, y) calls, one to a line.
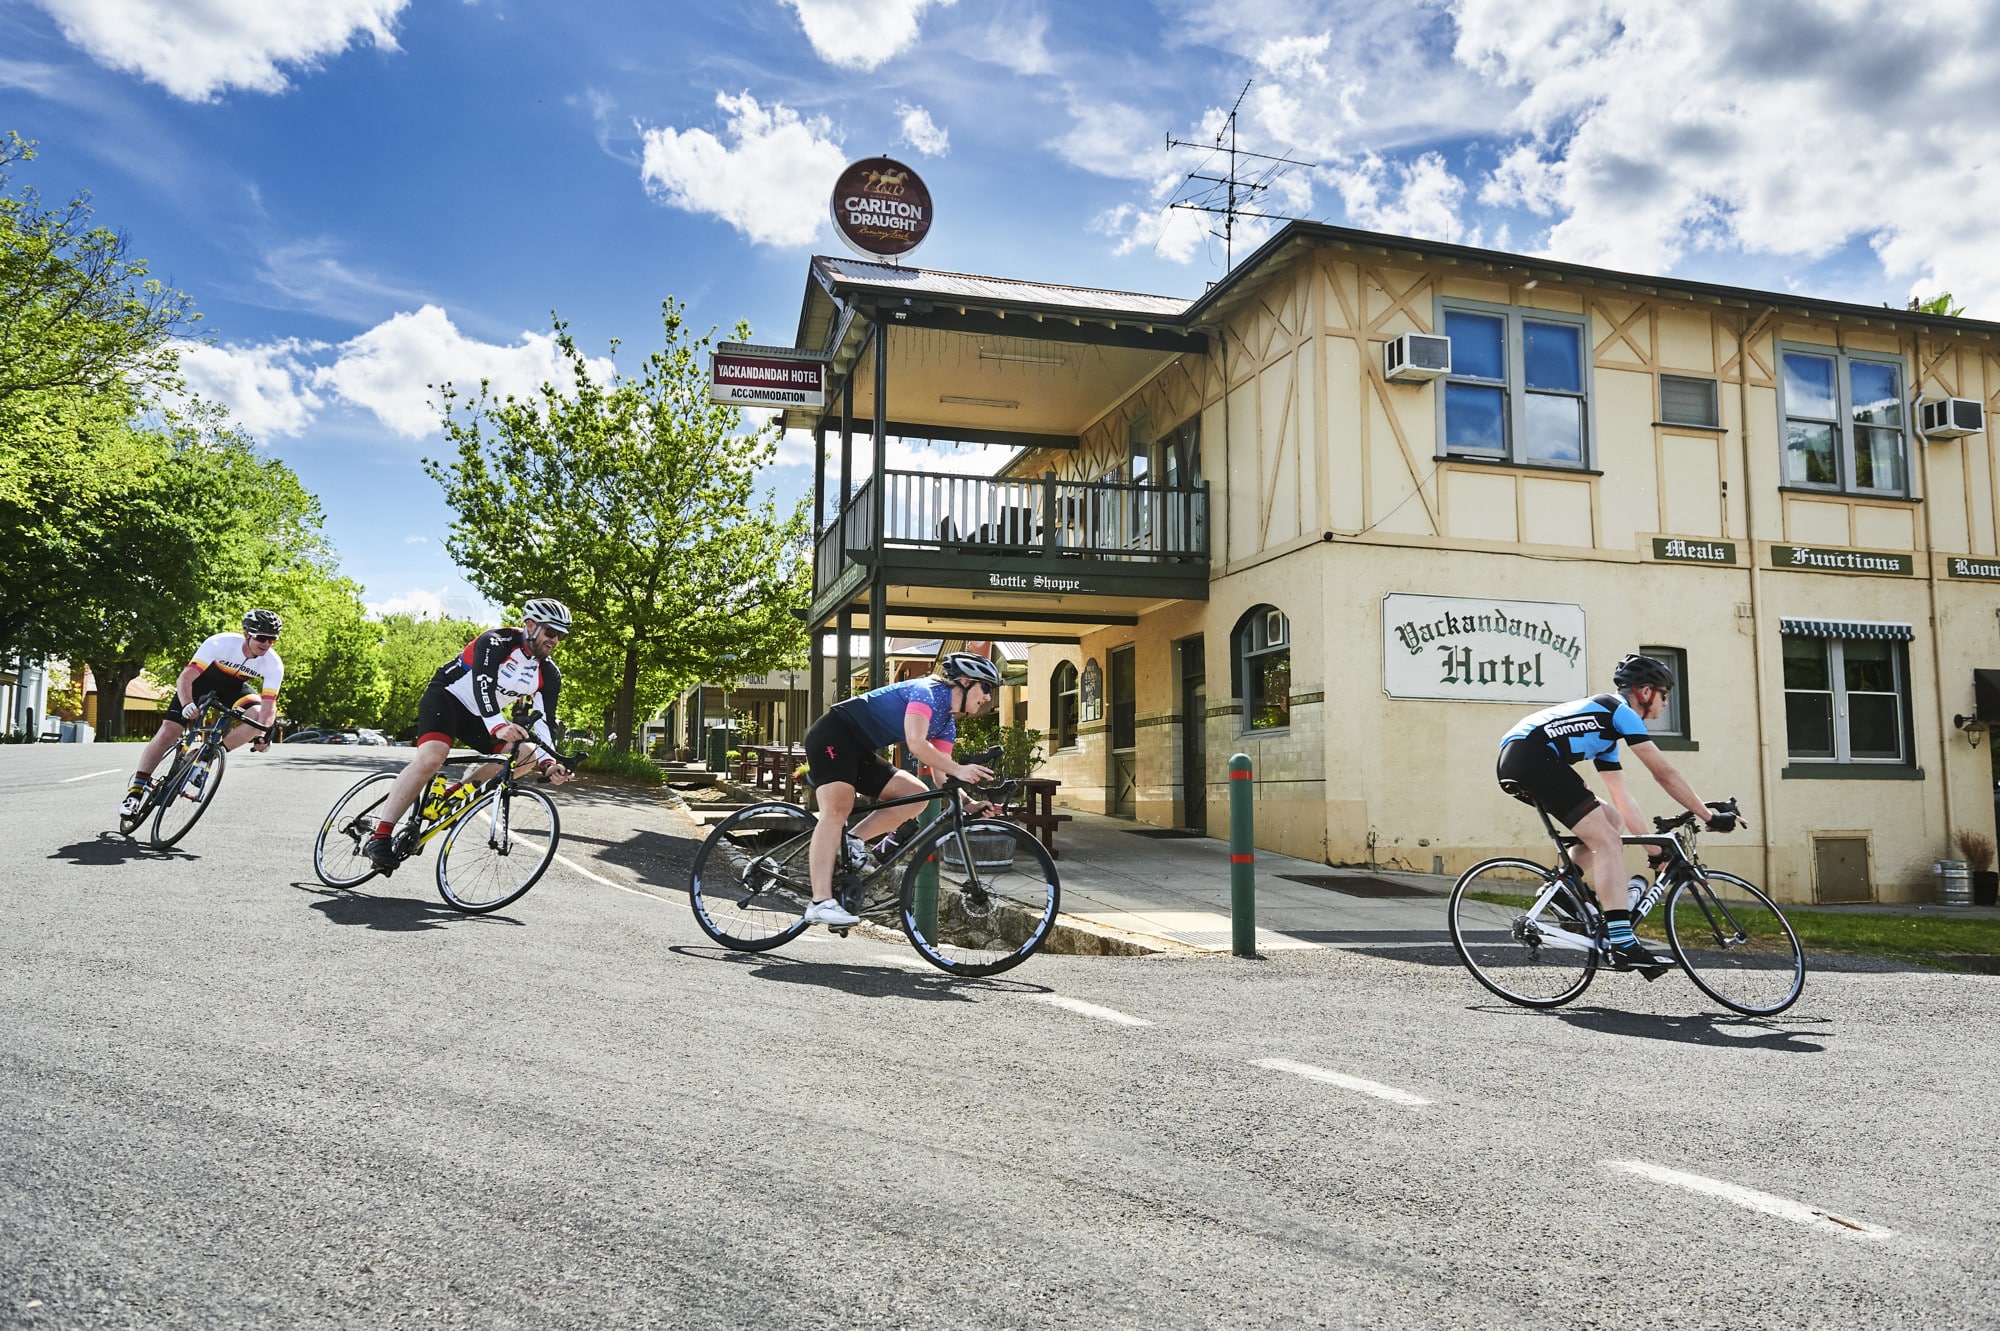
point(332, 651)
point(412, 650)
point(634, 502)
point(1938, 304)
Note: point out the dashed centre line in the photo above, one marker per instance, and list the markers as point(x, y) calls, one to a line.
point(1751, 1199)
point(1375, 1088)
point(1078, 1006)
point(596, 878)
point(86, 776)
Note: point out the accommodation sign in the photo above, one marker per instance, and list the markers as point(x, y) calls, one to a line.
point(1822, 560)
point(1461, 649)
point(1679, 550)
point(741, 375)
point(1958, 566)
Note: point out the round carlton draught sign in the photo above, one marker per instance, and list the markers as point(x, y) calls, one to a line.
point(881, 208)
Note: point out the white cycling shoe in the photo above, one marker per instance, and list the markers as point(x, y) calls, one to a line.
point(830, 912)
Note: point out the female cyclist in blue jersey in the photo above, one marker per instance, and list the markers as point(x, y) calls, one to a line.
point(920, 714)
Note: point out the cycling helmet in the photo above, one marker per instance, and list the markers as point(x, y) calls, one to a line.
point(547, 611)
point(1639, 672)
point(970, 668)
point(263, 622)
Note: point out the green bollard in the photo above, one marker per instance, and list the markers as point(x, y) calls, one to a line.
point(924, 901)
point(1242, 860)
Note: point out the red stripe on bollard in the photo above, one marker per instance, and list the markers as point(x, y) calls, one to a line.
point(1242, 859)
point(1240, 776)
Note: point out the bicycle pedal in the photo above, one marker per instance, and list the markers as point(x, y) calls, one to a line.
point(838, 930)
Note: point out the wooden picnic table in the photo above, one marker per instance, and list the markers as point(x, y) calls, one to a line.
point(776, 764)
point(1035, 810)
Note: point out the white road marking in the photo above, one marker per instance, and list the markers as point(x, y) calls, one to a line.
point(909, 962)
point(1782, 1207)
point(86, 776)
point(595, 878)
point(1077, 1005)
point(1341, 1079)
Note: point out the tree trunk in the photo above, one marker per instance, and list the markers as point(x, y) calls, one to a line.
point(628, 694)
point(112, 680)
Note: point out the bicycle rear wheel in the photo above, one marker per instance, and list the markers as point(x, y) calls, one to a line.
point(1735, 944)
point(337, 857)
point(1537, 958)
point(982, 912)
point(497, 849)
point(751, 881)
point(183, 800)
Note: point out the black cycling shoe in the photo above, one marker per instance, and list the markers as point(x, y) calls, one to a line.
point(1636, 956)
point(381, 853)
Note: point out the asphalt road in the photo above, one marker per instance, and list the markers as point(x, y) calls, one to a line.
point(232, 1097)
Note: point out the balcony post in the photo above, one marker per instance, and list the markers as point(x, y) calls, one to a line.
point(1049, 514)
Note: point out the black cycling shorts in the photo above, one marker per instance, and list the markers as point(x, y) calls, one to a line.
point(1533, 774)
point(442, 716)
point(837, 751)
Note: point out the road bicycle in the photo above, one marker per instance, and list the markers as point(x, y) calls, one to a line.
point(496, 836)
point(177, 800)
point(976, 896)
point(1535, 935)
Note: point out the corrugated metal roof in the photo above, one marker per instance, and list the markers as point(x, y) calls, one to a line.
point(977, 290)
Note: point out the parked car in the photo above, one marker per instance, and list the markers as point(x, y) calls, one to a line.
point(304, 737)
point(370, 737)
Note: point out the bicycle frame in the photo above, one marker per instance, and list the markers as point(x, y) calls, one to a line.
point(1676, 843)
point(949, 822)
point(416, 834)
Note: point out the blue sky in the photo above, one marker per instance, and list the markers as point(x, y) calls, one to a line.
point(366, 196)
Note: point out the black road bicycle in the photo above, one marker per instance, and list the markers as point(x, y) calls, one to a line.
point(496, 837)
point(194, 773)
point(1535, 935)
point(975, 896)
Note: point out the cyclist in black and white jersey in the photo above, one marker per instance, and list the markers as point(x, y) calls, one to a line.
point(467, 703)
point(1537, 766)
point(230, 669)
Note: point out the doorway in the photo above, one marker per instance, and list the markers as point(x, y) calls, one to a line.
point(1194, 736)
point(1124, 713)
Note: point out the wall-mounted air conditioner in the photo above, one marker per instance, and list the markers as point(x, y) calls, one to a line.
point(1951, 418)
point(1416, 357)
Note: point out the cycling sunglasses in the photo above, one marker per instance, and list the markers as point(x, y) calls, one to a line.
point(263, 637)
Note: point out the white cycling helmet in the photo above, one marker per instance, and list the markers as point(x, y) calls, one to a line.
point(970, 668)
point(548, 612)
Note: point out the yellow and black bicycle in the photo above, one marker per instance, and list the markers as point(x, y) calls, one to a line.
point(495, 837)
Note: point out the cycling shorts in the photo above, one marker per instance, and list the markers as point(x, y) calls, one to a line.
point(442, 716)
point(837, 751)
point(1532, 773)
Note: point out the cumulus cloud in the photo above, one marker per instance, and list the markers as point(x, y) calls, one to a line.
point(197, 49)
point(1176, 234)
point(265, 388)
point(771, 180)
point(861, 34)
point(444, 603)
point(1419, 198)
point(921, 132)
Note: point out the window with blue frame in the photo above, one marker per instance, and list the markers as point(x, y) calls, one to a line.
point(1519, 386)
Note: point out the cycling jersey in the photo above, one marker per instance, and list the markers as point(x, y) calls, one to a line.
point(229, 676)
point(493, 671)
point(1587, 728)
point(878, 714)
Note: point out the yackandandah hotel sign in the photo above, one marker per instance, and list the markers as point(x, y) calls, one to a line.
point(1461, 649)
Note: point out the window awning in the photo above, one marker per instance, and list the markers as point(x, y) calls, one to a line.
point(1844, 628)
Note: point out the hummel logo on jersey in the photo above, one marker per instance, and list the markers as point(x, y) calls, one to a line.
point(1575, 726)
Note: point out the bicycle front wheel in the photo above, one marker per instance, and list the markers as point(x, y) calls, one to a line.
point(184, 799)
point(337, 857)
point(497, 849)
point(981, 903)
point(1735, 944)
point(1537, 956)
point(751, 881)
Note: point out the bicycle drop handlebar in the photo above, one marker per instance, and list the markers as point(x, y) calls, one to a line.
point(1727, 806)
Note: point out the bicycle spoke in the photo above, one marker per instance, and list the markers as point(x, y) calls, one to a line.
point(337, 857)
point(184, 796)
point(982, 912)
point(751, 882)
point(1521, 934)
point(497, 849)
point(1735, 944)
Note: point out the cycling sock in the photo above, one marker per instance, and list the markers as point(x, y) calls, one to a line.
point(1618, 928)
point(383, 830)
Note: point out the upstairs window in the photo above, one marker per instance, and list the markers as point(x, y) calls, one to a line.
point(1689, 401)
point(1517, 391)
point(1846, 424)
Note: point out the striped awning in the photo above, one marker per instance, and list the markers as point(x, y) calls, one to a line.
point(1844, 628)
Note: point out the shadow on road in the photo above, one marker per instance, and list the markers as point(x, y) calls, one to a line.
point(1778, 1034)
point(111, 848)
point(390, 914)
point(861, 980)
point(658, 859)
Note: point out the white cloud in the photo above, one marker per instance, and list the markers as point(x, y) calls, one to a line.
point(1653, 128)
point(860, 34)
point(390, 368)
point(1113, 139)
point(1177, 234)
point(197, 49)
point(416, 540)
point(444, 603)
point(921, 132)
point(1016, 41)
point(1419, 198)
point(266, 388)
point(771, 183)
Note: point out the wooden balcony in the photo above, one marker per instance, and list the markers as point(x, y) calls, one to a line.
point(1035, 538)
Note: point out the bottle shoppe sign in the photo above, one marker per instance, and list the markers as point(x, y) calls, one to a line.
point(1466, 650)
point(881, 208)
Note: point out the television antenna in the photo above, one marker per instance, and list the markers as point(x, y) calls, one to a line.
point(1226, 194)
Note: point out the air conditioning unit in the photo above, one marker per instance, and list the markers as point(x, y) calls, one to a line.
point(1416, 357)
point(1951, 418)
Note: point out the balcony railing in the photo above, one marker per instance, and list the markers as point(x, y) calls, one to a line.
point(1002, 517)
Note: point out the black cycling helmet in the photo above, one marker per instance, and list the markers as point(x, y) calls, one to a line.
point(263, 622)
point(1639, 672)
point(970, 668)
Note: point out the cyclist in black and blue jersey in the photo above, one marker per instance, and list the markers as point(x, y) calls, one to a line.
point(1537, 766)
point(920, 714)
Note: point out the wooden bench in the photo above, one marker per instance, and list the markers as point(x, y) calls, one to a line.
point(1036, 812)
